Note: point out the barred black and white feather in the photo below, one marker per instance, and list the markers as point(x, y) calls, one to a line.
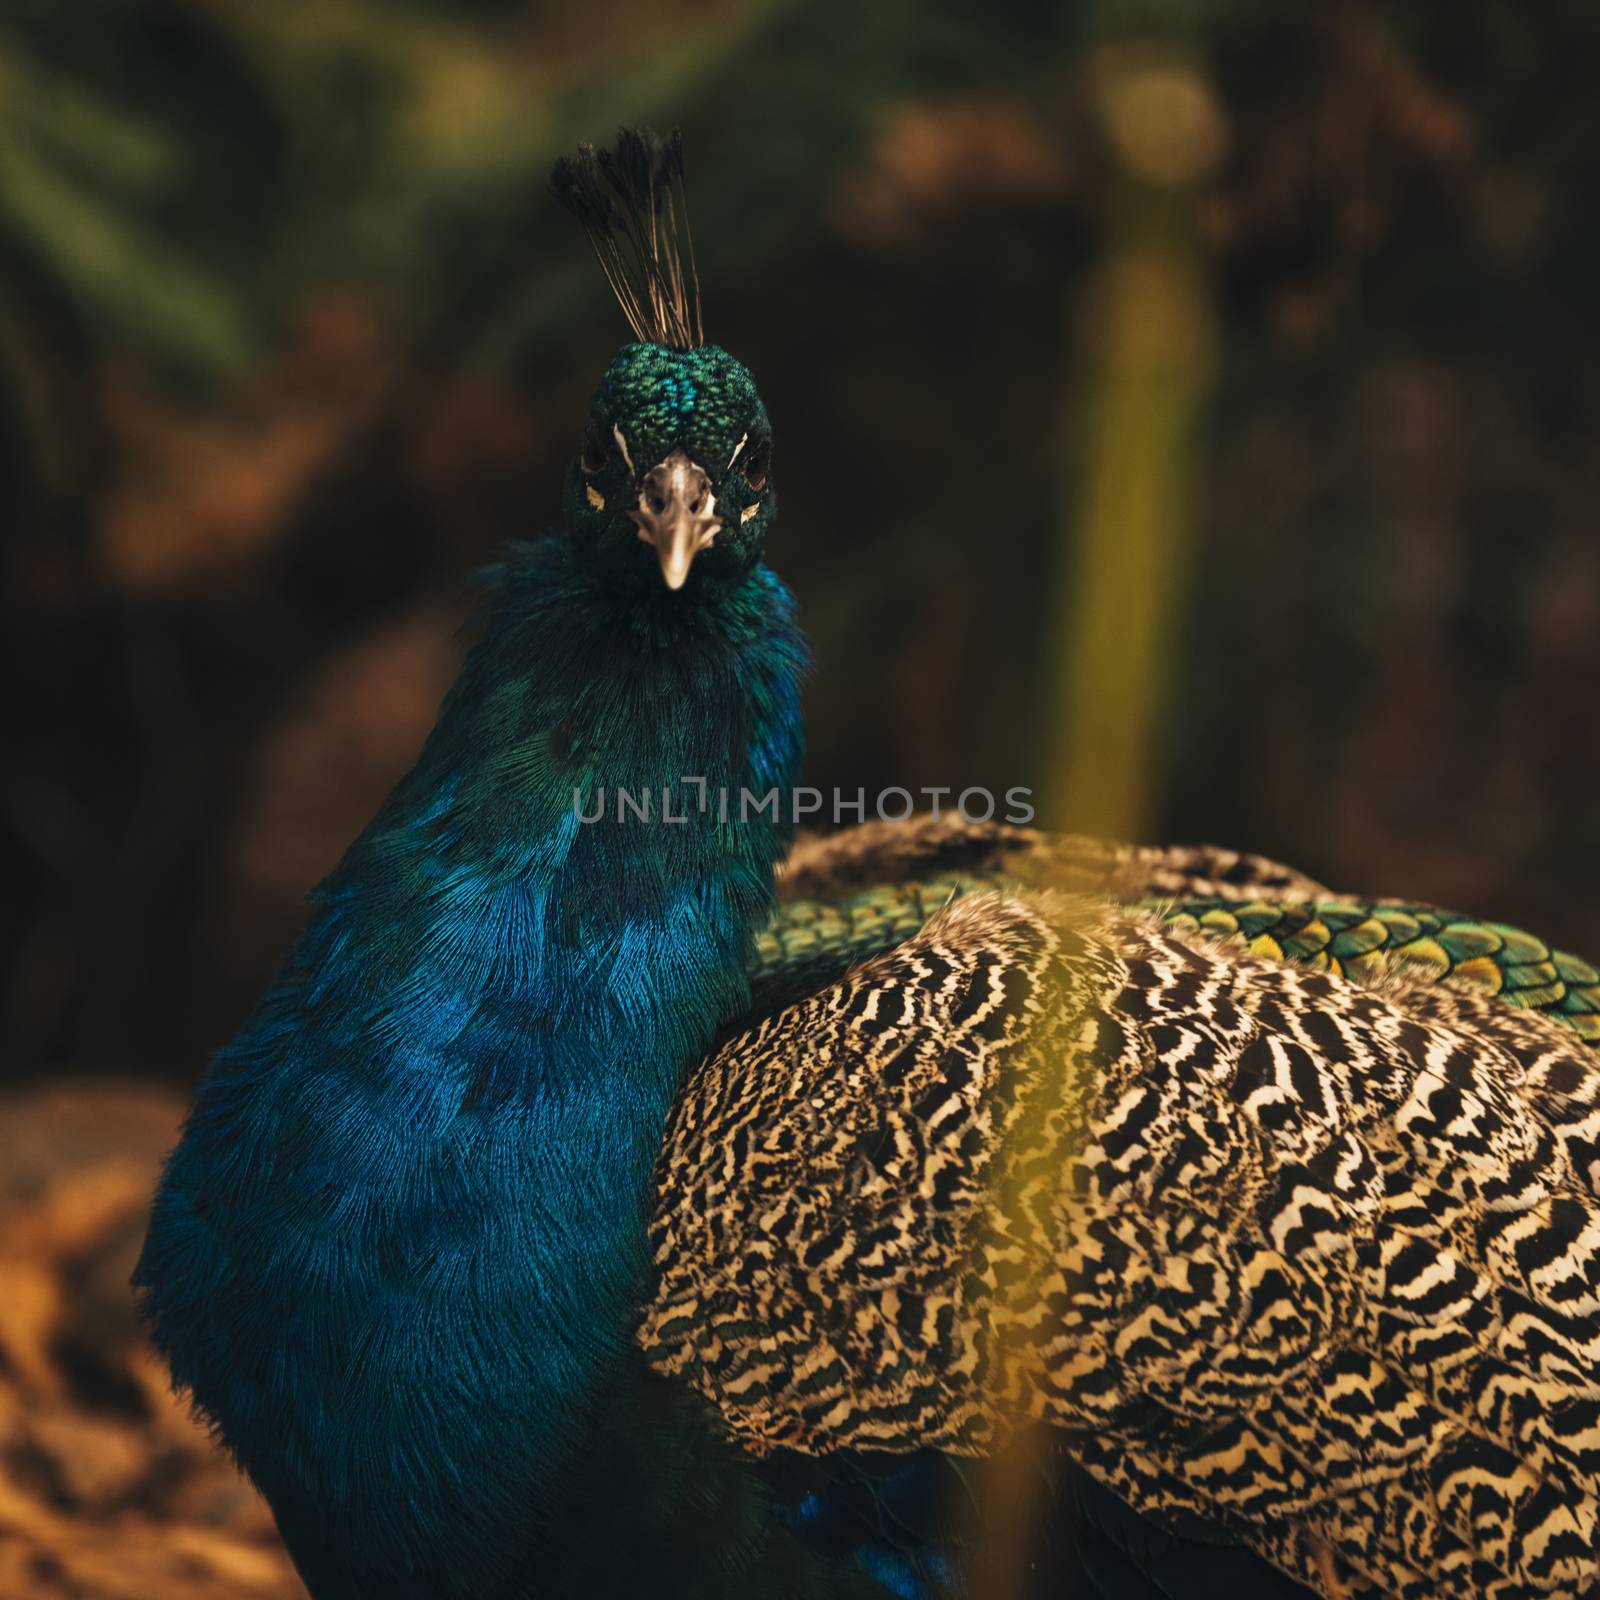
point(1312, 1259)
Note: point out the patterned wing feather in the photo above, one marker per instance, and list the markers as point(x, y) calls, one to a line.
point(812, 942)
point(1314, 1259)
point(948, 846)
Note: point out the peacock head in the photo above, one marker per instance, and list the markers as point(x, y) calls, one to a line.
point(674, 473)
point(675, 467)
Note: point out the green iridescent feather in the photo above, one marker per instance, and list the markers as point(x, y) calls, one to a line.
point(1362, 940)
point(810, 940)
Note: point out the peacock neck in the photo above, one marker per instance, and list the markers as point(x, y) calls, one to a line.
point(471, 1057)
point(564, 860)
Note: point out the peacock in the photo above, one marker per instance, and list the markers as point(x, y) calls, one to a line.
point(645, 1203)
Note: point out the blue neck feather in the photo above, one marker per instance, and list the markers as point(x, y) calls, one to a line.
point(398, 1252)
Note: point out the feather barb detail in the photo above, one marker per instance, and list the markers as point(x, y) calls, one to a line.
point(631, 202)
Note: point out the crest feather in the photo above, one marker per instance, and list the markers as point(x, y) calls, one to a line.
point(631, 202)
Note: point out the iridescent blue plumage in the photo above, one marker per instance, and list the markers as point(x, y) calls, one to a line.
point(397, 1255)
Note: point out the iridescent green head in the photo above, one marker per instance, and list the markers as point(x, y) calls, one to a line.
point(675, 469)
point(676, 466)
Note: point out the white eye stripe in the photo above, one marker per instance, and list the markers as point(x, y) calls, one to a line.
point(622, 445)
point(744, 439)
point(749, 511)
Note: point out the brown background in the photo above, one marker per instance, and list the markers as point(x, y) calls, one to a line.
point(1192, 413)
point(291, 339)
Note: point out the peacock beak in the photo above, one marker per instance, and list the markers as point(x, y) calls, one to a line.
point(677, 514)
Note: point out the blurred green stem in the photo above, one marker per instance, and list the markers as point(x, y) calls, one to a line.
point(1129, 531)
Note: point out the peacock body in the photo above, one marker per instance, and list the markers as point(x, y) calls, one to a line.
point(583, 1211)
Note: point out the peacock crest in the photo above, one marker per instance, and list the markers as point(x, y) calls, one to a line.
point(632, 204)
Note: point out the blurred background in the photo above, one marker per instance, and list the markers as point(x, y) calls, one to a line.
point(1189, 411)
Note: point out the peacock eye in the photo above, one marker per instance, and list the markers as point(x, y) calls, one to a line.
point(596, 449)
point(756, 464)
